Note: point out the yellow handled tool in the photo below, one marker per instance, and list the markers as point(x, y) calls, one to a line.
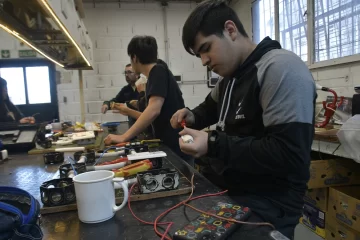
point(133, 169)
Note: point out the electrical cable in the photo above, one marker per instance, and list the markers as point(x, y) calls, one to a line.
point(164, 235)
point(71, 161)
point(102, 154)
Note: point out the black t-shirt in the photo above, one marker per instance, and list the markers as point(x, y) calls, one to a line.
point(161, 82)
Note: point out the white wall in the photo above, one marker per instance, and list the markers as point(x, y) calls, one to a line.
point(342, 78)
point(110, 29)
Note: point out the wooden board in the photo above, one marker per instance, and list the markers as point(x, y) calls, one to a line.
point(96, 145)
point(184, 188)
point(328, 135)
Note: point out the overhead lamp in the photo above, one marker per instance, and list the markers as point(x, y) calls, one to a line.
point(17, 35)
point(47, 6)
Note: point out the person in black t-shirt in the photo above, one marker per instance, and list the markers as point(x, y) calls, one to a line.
point(163, 96)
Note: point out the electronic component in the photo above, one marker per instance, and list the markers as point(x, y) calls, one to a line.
point(208, 227)
point(187, 139)
point(57, 192)
point(158, 180)
point(53, 157)
point(90, 156)
point(66, 169)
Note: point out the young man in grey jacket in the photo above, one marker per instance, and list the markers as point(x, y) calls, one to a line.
point(264, 111)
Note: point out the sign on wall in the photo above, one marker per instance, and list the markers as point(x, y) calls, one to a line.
point(5, 53)
point(27, 53)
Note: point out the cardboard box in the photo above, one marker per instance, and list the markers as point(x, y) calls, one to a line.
point(333, 172)
point(344, 205)
point(318, 197)
point(314, 219)
point(334, 230)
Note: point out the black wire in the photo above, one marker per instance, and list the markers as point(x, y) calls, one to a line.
point(185, 214)
point(336, 149)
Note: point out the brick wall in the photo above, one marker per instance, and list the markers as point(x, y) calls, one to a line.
point(111, 28)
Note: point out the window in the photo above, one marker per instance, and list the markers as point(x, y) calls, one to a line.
point(27, 85)
point(263, 20)
point(293, 26)
point(14, 77)
point(337, 29)
point(38, 82)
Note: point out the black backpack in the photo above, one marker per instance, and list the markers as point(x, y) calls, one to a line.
point(19, 214)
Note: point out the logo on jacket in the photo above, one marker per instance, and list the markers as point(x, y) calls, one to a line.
point(237, 115)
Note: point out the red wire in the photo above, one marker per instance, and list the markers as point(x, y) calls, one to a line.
point(163, 236)
point(142, 221)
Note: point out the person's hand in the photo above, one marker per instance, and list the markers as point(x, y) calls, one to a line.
point(197, 148)
point(180, 115)
point(104, 108)
point(141, 87)
point(27, 120)
point(122, 108)
point(134, 103)
point(112, 138)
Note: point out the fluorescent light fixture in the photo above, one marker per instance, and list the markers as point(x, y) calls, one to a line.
point(14, 33)
point(64, 30)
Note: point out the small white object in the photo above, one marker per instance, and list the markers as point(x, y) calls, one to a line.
point(82, 135)
point(95, 195)
point(4, 155)
point(146, 155)
point(70, 149)
point(187, 139)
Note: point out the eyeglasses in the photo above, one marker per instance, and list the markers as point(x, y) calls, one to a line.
point(128, 72)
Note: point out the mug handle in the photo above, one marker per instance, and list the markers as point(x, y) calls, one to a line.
point(124, 186)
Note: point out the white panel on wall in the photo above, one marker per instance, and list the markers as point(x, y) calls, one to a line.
point(118, 81)
point(110, 68)
point(91, 95)
point(108, 43)
point(94, 107)
point(119, 55)
point(101, 55)
point(194, 76)
point(107, 94)
point(97, 82)
point(120, 31)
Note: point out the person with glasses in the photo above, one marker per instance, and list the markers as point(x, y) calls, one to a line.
point(126, 94)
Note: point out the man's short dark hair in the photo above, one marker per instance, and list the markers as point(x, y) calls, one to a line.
point(209, 18)
point(128, 65)
point(144, 48)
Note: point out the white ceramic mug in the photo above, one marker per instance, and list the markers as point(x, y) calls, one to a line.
point(95, 195)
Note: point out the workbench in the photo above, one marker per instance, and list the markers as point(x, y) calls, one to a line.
point(29, 172)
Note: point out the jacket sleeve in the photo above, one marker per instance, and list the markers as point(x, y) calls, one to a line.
point(206, 113)
point(287, 96)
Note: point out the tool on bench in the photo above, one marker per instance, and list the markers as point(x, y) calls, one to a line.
point(330, 108)
point(133, 169)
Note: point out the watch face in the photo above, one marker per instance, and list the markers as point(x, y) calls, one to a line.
point(212, 138)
